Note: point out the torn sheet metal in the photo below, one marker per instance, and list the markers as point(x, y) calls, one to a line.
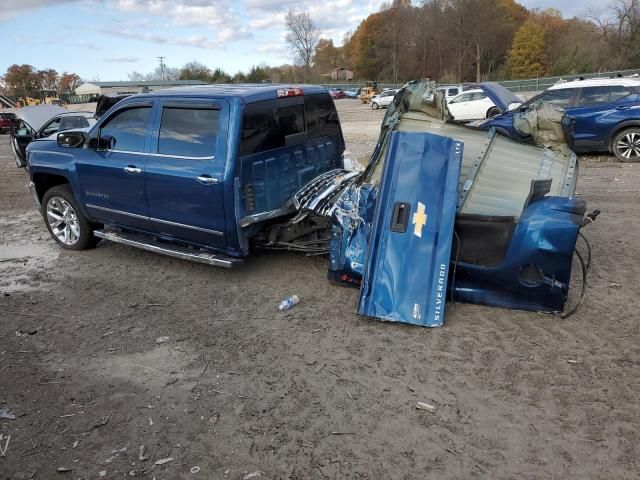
point(318, 195)
point(352, 216)
point(406, 271)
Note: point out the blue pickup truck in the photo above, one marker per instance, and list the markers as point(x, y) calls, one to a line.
point(195, 173)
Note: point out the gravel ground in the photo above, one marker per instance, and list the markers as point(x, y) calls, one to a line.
point(241, 390)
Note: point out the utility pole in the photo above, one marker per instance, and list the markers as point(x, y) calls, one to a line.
point(161, 59)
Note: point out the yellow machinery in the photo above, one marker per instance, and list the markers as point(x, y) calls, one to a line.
point(369, 91)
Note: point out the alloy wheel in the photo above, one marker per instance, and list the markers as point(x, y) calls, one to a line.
point(63, 220)
point(629, 146)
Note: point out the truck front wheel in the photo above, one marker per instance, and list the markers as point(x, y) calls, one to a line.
point(64, 220)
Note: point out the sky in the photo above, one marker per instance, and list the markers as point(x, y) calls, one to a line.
point(104, 40)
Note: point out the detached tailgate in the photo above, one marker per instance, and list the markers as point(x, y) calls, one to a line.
point(405, 276)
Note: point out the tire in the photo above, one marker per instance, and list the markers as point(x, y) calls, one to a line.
point(374, 105)
point(65, 221)
point(493, 112)
point(626, 145)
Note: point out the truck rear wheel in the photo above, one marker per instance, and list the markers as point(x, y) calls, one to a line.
point(64, 220)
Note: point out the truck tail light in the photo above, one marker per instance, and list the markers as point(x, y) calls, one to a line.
point(290, 92)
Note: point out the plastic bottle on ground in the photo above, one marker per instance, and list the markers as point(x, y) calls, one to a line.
point(288, 302)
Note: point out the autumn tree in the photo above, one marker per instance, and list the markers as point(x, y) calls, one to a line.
point(302, 37)
point(48, 79)
point(327, 56)
point(22, 81)
point(526, 57)
point(68, 82)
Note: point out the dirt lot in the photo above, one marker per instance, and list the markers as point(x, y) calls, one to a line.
point(318, 392)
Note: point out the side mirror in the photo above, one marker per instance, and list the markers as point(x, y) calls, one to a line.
point(513, 106)
point(71, 139)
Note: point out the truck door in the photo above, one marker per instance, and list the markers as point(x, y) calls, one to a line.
point(111, 169)
point(185, 171)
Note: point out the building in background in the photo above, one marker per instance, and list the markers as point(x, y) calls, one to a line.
point(101, 88)
point(340, 74)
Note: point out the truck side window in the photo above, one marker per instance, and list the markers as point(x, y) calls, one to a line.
point(260, 128)
point(189, 132)
point(322, 117)
point(127, 129)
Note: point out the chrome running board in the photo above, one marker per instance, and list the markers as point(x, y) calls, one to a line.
point(152, 245)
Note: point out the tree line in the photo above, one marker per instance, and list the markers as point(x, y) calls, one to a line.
point(26, 81)
point(476, 40)
point(445, 40)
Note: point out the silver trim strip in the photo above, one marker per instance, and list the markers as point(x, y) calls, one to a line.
point(162, 155)
point(176, 224)
point(120, 212)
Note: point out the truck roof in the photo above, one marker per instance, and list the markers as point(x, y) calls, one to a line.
point(249, 92)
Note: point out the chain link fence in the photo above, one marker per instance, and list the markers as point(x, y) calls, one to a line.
point(540, 84)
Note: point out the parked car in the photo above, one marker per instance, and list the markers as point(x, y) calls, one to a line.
point(6, 121)
point(447, 91)
point(472, 105)
point(337, 93)
point(602, 115)
point(383, 100)
point(30, 126)
point(212, 168)
point(353, 93)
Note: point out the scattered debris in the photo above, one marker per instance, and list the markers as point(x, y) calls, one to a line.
point(101, 422)
point(572, 361)
point(195, 469)
point(162, 461)
point(160, 340)
point(426, 406)
point(7, 414)
point(3, 449)
point(343, 433)
point(215, 418)
point(255, 474)
point(103, 473)
point(75, 444)
point(288, 302)
point(150, 422)
point(141, 455)
point(64, 469)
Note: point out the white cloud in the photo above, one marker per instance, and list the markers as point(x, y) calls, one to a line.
point(10, 8)
point(122, 59)
point(267, 21)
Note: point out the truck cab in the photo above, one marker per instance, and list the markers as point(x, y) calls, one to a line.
point(205, 168)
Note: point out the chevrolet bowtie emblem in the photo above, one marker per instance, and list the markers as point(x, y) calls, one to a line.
point(419, 220)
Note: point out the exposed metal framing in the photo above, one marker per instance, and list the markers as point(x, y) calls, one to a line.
point(477, 165)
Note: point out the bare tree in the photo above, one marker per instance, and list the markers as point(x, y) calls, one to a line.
point(620, 28)
point(302, 38)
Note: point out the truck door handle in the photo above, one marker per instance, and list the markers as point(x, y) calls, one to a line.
point(206, 180)
point(400, 218)
point(132, 169)
point(623, 107)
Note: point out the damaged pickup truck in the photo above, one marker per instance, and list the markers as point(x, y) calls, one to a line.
point(443, 207)
point(208, 173)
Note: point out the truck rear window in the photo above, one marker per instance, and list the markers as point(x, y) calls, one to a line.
point(268, 125)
